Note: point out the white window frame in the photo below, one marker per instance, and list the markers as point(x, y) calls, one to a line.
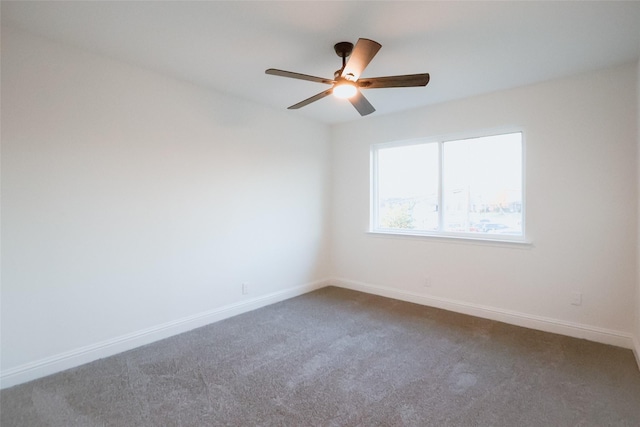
point(440, 233)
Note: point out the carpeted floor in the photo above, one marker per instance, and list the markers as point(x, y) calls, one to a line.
point(341, 358)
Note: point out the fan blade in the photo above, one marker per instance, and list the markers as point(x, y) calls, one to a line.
point(363, 53)
point(310, 100)
point(409, 80)
point(299, 76)
point(361, 103)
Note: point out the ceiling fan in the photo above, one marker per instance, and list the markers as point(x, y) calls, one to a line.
point(347, 83)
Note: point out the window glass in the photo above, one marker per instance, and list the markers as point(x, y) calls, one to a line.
point(482, 185)
point(408, 182)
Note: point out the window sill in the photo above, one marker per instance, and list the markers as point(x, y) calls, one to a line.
point(472, 240)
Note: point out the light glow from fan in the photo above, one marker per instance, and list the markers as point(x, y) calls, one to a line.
point(344, 90)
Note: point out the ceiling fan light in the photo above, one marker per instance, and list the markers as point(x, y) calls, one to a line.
point(344, 90)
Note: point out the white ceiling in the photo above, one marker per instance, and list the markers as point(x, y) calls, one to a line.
point(469, 48)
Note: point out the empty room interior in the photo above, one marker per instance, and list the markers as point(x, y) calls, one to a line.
point(196, 231)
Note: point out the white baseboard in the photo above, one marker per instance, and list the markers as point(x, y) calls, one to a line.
point(636, 349)
point(591, 333)
point(89, 353)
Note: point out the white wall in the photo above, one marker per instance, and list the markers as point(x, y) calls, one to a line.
point(581, 210)
point(131, 200)
point(637, 325)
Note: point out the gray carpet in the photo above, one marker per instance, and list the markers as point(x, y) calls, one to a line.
point(341, 358)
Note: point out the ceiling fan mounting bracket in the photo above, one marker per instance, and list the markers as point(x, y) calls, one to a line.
point(343, 49)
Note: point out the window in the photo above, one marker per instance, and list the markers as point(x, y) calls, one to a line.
point(470, 187)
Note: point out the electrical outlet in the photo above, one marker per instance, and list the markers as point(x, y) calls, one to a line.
point(427, 282)
point(245, 288)
point(576, 298)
